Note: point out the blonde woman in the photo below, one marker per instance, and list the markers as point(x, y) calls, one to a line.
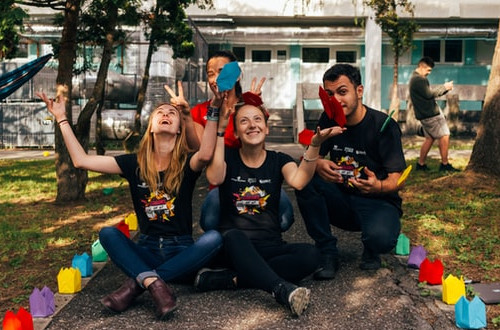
point(161, 178)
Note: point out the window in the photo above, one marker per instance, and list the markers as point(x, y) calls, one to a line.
point(346, 56)
point(22, 50)
point(212, 48)
point(432, 48)
point(315, 55)
point(281, 55)
point(447, 51)
point(261, 56)
point(239, 52)
point(453, 51)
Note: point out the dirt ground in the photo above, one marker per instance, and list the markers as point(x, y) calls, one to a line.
point(44, 268)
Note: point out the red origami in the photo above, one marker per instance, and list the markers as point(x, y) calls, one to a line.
point(305, 136)
point(20, 321)
point(431, 272)
point(252, 99)
point(123, 227)
point(332, 107)
point(11, 322)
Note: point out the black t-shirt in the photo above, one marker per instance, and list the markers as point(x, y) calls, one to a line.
point(250, 196)
point(159, 213)
point(363, 145)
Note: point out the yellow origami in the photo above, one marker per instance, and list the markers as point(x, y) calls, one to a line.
point(131, 221)
point(69, 280)
point(453, 289)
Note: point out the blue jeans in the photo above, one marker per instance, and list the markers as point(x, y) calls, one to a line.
point(322, 203)
point(169, 258)
point(210, 211)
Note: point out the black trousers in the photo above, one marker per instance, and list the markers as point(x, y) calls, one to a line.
point(262, 265)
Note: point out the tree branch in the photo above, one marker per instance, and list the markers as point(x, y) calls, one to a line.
point(54, 4)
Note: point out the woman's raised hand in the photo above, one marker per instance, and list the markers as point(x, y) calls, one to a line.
point(257, 88)
point(322, 135)
point(56, 108)
point(178, 101)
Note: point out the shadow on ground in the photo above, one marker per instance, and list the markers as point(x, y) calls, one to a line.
point(355, 299)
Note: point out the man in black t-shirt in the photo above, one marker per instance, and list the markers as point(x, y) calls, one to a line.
point(356, 189)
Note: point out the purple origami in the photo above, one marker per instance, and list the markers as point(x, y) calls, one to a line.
point(42, 302)
point(417, 255)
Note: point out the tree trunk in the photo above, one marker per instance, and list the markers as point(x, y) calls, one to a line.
point(394, 90)
point(486, 149)
point(131, 142)
point(99, 141)
point(71, 182)
point(141, 95)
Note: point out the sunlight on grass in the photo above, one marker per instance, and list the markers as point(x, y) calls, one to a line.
point(454, 222)
point(60, 242)
point(82, 217)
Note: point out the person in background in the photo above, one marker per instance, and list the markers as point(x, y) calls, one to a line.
point(356, 188)
point(254, 254)
point(161, 177)
point(210, 210)
point(426, 109)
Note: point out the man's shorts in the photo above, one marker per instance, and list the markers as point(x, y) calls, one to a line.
point(435, 127)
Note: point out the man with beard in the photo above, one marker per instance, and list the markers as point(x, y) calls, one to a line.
point(356, 187)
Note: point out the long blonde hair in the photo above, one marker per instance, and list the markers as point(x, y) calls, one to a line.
point(174, 174)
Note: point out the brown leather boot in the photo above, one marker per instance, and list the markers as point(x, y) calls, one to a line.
point(163, 297)
point(120, 300)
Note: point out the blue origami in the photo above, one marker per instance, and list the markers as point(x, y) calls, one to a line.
point(83, 263)
point(228, 76)
point(470, 315)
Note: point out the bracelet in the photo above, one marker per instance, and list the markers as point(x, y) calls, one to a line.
point(62, 121)
point(220, 134)
point(213, 113)
point(309, 160)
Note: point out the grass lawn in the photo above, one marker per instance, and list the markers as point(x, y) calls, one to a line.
point(454, 216)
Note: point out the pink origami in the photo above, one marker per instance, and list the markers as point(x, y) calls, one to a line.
point(123, 227)
point(417, 255)
point(42, 302)
point(431, 272)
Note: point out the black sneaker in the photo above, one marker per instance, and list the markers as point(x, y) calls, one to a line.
point(328, 268)
point(293, 297)
point(215, 279)
point(421, 167)
point(447, 168)
point(370, 261)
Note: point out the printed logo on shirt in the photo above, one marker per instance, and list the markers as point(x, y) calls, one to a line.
point(238, 179)
point(336, 148)
point(251, 200)
point(143, 185)
point(349, 168)
point(159, 206)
